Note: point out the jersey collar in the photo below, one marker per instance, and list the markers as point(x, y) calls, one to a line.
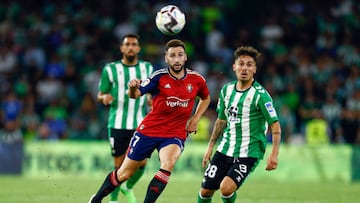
point(175, 78)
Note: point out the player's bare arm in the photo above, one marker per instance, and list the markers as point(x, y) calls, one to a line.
point(272, 161)
point(106, 99)
point(218, 129)
point(134, 91)
point(149, 101)
point(200, 110)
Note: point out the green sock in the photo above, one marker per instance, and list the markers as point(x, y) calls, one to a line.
point(135, 177)
point(203, 200)
point(114, 194)
point(229, 199)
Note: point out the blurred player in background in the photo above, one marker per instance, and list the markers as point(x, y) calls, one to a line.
point(245, 109)
point(166, 127)
point(125, 113)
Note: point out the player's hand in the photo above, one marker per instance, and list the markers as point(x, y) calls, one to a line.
point(134, 83)
point(272, 163)
point(192, 125)
point(107, 99)
point(134, 91)
point(206, 157)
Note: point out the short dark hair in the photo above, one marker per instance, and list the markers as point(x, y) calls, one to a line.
point(130, 35)
point(247, 50)
point(174, 43)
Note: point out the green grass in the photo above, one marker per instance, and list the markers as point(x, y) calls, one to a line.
point(17, 189)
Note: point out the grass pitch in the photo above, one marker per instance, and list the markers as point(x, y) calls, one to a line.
point(18, 189)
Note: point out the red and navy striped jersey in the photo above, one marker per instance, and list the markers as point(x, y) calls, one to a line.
point(173, 102)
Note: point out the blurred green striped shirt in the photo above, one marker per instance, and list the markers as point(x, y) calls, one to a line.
point(125, 113)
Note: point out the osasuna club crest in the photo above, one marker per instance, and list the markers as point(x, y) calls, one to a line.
point(189, 87)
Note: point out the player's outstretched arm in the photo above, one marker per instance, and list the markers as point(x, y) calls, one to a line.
point(272, 161)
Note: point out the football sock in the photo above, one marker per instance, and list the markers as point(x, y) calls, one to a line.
point(109, 185)
point(229, 199)
point(114, 194)
point(135, 177)
point(157, 185)
point(202, 199)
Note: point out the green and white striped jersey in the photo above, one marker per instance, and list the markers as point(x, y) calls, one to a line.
point(125, 112)
point(248, 114)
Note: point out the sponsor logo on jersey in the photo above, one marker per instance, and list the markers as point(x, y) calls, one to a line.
point(167, 86)
point(233, 113)
point(270, 108)
point(177, 102)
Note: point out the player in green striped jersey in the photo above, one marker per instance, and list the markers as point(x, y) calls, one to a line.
point(245, 110)
point(125, 114)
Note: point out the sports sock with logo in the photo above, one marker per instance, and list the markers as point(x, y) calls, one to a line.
point(157, 185)
point(110, 183)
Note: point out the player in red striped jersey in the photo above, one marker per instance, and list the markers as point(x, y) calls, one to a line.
point(166, 127)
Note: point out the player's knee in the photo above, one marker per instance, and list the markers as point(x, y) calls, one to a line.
point(227, 189)
point(226, 192)
point(168, 164)
point(123, 176)
point(206, 193)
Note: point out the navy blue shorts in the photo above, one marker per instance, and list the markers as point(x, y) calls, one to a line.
point(141, 146)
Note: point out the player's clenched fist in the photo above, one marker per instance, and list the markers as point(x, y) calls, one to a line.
point(135, 83)
point(107, 99)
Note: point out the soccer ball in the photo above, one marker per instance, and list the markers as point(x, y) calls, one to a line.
point(170, 20)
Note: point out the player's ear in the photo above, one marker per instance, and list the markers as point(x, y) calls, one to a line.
point(138, 49)
point(120, 48)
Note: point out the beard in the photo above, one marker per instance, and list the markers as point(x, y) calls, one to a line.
point(176, 70)
point(130, 59)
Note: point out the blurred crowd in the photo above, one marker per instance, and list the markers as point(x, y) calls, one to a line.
point(52, 54)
